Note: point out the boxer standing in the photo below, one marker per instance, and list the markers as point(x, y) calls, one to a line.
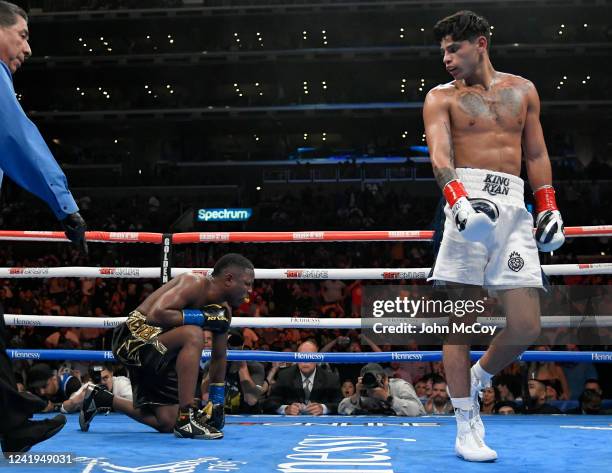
point(478, 128)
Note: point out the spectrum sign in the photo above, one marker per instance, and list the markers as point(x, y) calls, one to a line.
point(224, 215)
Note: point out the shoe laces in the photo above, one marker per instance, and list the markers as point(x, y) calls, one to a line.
point(476, 437)
point(199, 420)
point(470, 418)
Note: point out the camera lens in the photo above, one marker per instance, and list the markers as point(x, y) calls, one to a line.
point(235, 340)
point(95, 374)
point(369, 381)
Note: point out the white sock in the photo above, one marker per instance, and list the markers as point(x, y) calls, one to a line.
point(462, 403)
point(481, 374)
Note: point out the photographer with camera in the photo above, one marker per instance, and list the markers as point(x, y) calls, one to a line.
point(104, 386)
point(244, 380)
point(63, 392)
point(104, 375)
point(375, 393)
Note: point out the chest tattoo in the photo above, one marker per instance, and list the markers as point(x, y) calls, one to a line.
point(510, 100)
point(503, 102)
point(474, 105)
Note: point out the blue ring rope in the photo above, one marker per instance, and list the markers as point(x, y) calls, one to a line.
point(377, 357)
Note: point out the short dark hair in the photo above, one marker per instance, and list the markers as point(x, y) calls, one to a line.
point(229, 260)
point(437, 379)
point(593, 380)
point(499, 405)
point(463, 25)
point(510, 382)
point(9, 13)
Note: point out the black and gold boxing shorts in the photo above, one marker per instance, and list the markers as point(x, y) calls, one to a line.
point(136, 343)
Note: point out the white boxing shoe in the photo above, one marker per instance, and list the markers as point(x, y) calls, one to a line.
point(469, 445)
point(476, 387)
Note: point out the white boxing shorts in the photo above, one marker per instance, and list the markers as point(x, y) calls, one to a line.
point(508, 258)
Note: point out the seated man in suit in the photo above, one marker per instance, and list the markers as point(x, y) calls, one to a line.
point(304, 389)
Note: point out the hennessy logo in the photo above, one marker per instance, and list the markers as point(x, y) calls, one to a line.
point(496, 185)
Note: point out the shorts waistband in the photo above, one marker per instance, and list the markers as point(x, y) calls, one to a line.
point(137, 324)
point(493, 185)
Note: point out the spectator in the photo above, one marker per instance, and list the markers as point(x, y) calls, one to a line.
point(348, 388)
point(304, 388)
point(375, 393)
point(505, 408)
point(344, 344)
point(63, 338)
point(250, 338)
point(401, 371)
point(549, 371)
point(204, 365)
point(490, 396)
point(537, 402)
point(439, 402)
point(332, 292)
point(593, 383)
point(412, 371)
point(506, 387)
point(553, 390)
point(27, 303)
point(422, 390)
point(589, 404)
point(428, 378)
point(437, 369)
point(207, 334)
point(270, 379)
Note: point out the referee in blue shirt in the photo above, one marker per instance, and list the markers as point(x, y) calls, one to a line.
point(24, 155)
point(27, 160)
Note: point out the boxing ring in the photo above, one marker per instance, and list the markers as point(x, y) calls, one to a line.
point(526, 444)
point(346, 444)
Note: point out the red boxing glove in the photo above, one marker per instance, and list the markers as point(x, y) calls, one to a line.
point(545, 199)
point(475, 218)
point(550, 233)
point(453, 191)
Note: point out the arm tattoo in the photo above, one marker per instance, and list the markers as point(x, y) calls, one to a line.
point(446, 174)
point(451, 148)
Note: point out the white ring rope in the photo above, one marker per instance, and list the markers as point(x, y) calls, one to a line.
point(278, 273)
point(302, 322)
